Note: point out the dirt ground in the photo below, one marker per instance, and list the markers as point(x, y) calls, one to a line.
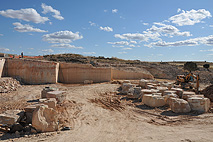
point(97, 113)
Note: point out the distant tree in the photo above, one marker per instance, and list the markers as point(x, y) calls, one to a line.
point(190, 66)
point(206, 66)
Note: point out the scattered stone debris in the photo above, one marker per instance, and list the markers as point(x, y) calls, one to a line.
point(8, 84)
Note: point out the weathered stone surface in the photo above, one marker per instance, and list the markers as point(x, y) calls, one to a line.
point(127, 88)
point(162, 89)
point(31, 108)
point(16, 127)
point(199, 104)
point(187, 94)
point(168, 97)
point(179, 91)
point(143, 83)
point(150, 87)
point(153, 100)
point(55, 94)
point(50, 102)
point(136, 93)
point(179, 105)
point(10, 117)
point(167, 92)
point(146, 91)
point(45, 119)
point(47, 89)
point(88, 81)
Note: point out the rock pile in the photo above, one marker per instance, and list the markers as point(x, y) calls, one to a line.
point(208, 92)
point(41, 116)
point(8, 84)
point(157, 94)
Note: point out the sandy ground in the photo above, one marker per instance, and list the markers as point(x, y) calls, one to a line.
point(91, 119)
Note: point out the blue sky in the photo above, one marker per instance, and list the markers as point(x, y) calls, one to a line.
point(147, 30)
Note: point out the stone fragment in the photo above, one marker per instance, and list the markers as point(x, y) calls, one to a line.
point(150, 87)
point(167, 92)
point(162, 89)
point(10, 117)
point(143, 83)
point(179, 105)
point(55, 94)
point(187, 94)
point(50, 102)
point(127, 88)
point(16, 127)
point(45, 119)
point(199, 104)
point(179, 91)
point(136, 93)
point(168, 97)
point(47, 89)
point(153, 100)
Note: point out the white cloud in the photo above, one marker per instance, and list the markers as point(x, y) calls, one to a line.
point(107, 29)
point(131, 45)
point(47, 51)
point(114, 10)
point(1, 35)
point(146, 24)
point(133, 42)
point(66, 46)
point(209, 50)
point(62, 37)
point(166, 30)
point(138, 36)
point(88, 53)
point(190, 17)
point(122, 52)
point(28, 14)
point(117, 46)
point(26, 28)
point(4, 50)
point(92, 24)
point(190, 42)
point(128, 48)
point(119, 43)
point(210, 54)
point(211, 26)
point(105, 10)
point(47, 9)
point(179, 10)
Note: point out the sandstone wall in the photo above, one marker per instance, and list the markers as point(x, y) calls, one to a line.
point(127, 75)
point(31, 71)
point(78, 73)
point(2, 61)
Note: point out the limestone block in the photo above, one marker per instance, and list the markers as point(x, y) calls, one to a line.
point(55, 94)
point(162, 89)
point(187, 94)
point(150, 87)
point(168, 97)
point(45, 119)
point(10, 117)
point(47, 89)
point(179, 91)
point(153, 100)
point(127, 88)
point(143, 83)
point(88, 81)
point(31, 108)
point(167, 92)
point(199, 104)
point(50, 102)
point(179, 105)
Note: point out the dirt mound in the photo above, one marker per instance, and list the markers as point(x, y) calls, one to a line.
point(208, 92)
point(8, 84)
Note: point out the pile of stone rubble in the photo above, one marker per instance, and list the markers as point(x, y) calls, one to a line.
point(8, 84)
point(157, 94)
point(41, 116)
